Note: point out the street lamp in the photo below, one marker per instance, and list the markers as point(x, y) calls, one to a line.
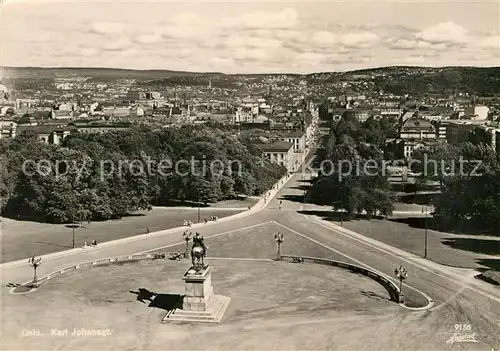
point(425, 238)
point(342, 207)
point(198, 205)
point(34, 262)
point(73, 228)
point(401, 274)
point(341, 189)
point(305, 190)
point(187, 237)
point(279, 239)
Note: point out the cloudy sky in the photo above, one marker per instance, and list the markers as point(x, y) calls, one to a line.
point(249, 37)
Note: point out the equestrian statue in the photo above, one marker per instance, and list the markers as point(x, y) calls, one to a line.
point(198, 252)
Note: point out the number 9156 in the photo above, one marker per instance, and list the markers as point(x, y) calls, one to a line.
point(464, 327)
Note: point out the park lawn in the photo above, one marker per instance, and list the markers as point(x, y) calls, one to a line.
point(463, 251)
point(244, 203)
point(21, 239)
point(241, 202)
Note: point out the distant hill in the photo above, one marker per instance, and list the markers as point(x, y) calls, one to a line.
point(43, 72)
point(446, 80)
point(395, 79)
point(417, 81)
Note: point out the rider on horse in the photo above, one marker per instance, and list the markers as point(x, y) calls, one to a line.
point(199, 249)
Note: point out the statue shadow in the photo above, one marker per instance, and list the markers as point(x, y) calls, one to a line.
point(165, 302)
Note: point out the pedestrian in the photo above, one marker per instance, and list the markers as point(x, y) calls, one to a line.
point(94, 242)
point(147, 230)
point(85, 244)
point(206, 220)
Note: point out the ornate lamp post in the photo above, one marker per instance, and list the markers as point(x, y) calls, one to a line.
point(279, 239)
point(34, 262)
point(187, 237)
point(401, 274)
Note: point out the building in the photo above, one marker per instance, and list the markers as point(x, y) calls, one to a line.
point(389, 112)
point(62, 114)
point(440, 130)
point(417, 128)
point(279, 152)
point(152, 95)
point(358, 113)
point(100, 127)
point(407, 115)
point(488, 135)
point(68, 106)
point(415, 133)
point(246, 114)
point(410, 146)
point(477, 112)
point(135, 96)
point(297, 138)
point(458, 131)
point(124, 112)
point(27, 120)
point(50, 134)
point(4, 93)
point(8, 128)
point(7, 111)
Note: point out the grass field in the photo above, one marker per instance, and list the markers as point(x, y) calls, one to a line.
point(21, 239)
point(448, 249)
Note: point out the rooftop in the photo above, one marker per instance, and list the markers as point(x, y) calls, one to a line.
point(278, 146)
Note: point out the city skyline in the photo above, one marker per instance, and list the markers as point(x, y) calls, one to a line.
point(240, 37)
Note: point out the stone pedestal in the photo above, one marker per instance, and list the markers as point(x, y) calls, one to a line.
point(198, 289)
point(199, 303)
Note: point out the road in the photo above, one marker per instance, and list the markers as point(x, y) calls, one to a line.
point(458, 298)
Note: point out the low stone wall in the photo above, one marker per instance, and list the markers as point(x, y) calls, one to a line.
point(102, 262)
point(391, 288)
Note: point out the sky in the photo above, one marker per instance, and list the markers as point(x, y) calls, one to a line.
point(249, 37)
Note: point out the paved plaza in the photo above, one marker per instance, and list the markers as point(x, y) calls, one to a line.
point(269, 300)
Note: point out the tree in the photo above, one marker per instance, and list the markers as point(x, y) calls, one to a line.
point(109, 174)
point(354, 181)
point(471, 197)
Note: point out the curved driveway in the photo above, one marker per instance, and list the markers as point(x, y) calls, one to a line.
point(458, 298)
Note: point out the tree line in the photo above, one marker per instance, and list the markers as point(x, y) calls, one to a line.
point(468, 175)
point(346, 186)
point(469, 181)
point(104, 175)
